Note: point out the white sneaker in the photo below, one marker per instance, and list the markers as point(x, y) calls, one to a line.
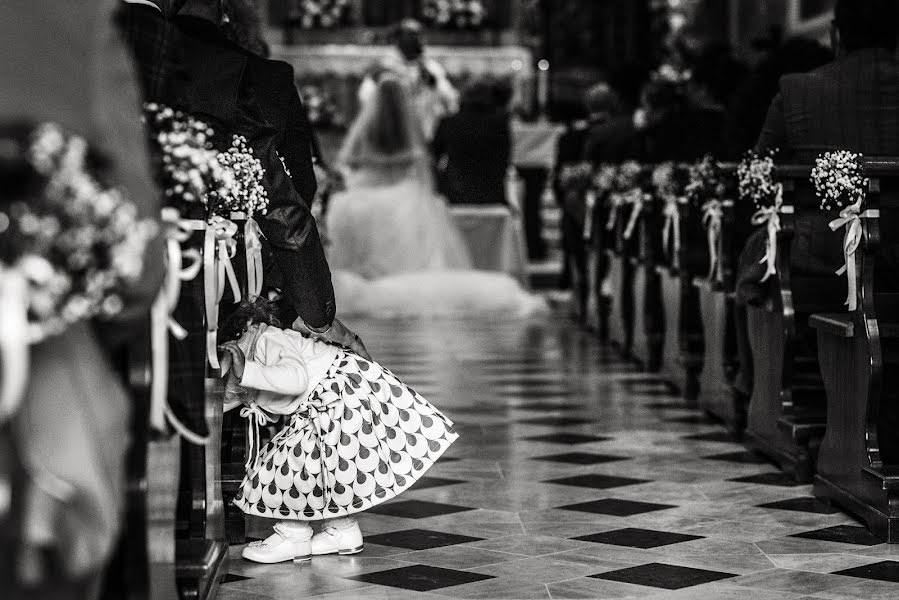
point(283, 545)
point(337, 540)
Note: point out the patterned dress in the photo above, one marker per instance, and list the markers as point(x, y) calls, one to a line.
point(362, 438)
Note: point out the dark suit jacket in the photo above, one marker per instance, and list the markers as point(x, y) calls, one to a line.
point(850, 104)
point(476, 145)
point(269, 114)
point(612, 141)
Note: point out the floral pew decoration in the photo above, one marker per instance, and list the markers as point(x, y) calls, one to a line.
point(577, 182)
point(706, 189)
point(841, 185)
point(627, 192)
point(71, 246)
point(669, 185)
point(755, 180)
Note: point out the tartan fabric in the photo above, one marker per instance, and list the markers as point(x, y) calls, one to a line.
point(153, 43)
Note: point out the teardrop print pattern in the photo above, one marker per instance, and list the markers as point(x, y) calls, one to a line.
point(363, 438)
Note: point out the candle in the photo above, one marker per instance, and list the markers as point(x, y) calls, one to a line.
point(543, 85)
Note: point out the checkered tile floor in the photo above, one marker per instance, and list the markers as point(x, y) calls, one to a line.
point(577, 477)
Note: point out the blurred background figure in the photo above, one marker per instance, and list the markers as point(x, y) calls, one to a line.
point(472, 148)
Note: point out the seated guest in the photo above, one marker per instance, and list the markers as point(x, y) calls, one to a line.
point(849, 104)
point(472, 149)
point(612, 136)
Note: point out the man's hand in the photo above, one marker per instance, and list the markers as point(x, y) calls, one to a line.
point(338, 334)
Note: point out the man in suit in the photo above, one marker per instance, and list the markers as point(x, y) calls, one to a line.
point(473, 149)
point(849, 104)
point(69, 66)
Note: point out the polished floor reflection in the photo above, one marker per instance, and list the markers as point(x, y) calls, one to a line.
point(577, 477)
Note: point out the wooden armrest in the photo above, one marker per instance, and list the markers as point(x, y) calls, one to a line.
point(840, 325)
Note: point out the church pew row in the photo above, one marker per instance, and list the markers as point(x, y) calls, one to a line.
point(858, 460)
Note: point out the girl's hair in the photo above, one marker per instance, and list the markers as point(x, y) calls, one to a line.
point(252, 312)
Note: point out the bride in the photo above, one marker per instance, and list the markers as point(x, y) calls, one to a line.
point(394, 248)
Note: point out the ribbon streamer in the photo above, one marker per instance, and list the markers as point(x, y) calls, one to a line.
point(712, 215)
point(770, 216)
point(590, 201)
point(671, 230)
point(634, 198)
point(256, 418)
point(14, 350)
point(851, 218)
point(218, 248)
point(252, 235)
point(615, 202)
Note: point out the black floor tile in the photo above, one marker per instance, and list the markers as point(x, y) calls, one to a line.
point(846, 534)
point(582, 458)
point(416, 509)
point(660, 392)
point(778, 479)
point(232, 577)
point(566, 438)
point(597, 482)
point(555, 421)
point(632, 537)
point(617, 508)
point(419, 539)
point(432, 482)
point(743, 458)
point(663, 576)
point(807, 505)
point(421, 578)
point(669, 406)
point(645, 381)
point(887, 570)
point(715, 436)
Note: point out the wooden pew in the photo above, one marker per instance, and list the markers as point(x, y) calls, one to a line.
point(858, 462)
point(786, 415)
point(649, 314)
point(621, 283)
point(716, 299)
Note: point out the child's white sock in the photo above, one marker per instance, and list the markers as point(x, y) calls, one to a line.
point(340, 523)
point(297, 531)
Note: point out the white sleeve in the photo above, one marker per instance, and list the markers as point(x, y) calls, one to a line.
point(277, 367)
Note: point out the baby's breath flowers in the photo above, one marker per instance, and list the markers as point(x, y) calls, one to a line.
point(706, 181)
point(243, 176)
point(76, 243)
point(628, 176)
point(755, 179)
point(840, 180)
point(188, 169)
point(604, 178)
point(577, 176)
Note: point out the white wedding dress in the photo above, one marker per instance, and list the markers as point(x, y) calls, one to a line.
point(395, 252)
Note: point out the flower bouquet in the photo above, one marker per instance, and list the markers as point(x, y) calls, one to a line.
point(242, 190)
point(706, 190)
point(76, 242)
point(755, 181)
point(841, 185)
point(668, 181)
point(321, 14)
point(455, 14)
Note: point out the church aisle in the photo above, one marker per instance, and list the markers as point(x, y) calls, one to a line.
point(576, 476)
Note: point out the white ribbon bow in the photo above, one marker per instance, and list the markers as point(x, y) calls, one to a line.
point(770, 216)
point(14, 350)
point(256, 418)
point(634, 198)
point(671, 229)
point(590, 201)
point(252, 236)
point(851, 218)
point(615, 202)
point(217, 270)
point(712, 214)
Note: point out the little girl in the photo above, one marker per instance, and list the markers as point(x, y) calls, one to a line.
point(354, 436)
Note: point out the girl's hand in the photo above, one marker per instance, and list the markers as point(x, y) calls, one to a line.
point(235, 357)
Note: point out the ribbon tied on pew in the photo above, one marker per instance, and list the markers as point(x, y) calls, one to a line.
point(671, 229)
point(712, 216)
point(635, 198)
point(590, 205)
point(14, 349)
point(219, 247)
point(616, 200)
point(851, 218)
point(770, 216)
